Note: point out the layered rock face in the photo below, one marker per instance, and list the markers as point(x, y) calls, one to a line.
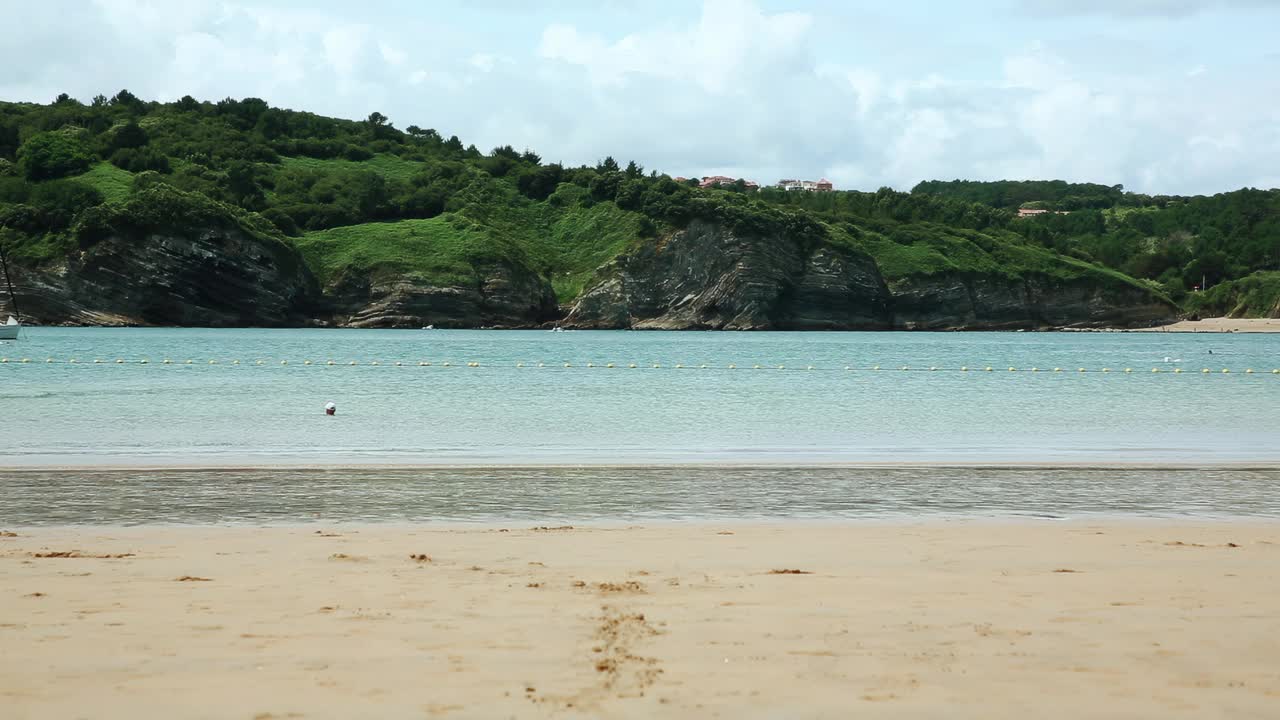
point(505, 296)
point(702, 277)
point(957, 302)
point(215, 277)
point(705, 277)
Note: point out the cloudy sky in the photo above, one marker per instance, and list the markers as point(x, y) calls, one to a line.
point(1174, 96)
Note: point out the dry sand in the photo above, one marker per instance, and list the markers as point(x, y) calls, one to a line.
point(975, 620)
point(1220, 325)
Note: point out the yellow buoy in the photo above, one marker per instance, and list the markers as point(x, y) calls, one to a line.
point(398, 363)
point(609, 365)
point(876, 367)
point(1083, 370)
point(632, 365)
point(1013, 369)
point(233, 362)
point(781, 367)
point(904, 367)
point(330, 363)
point(1128, 370)
point(1155, 370)
point(50, 360)
point(375, 362)
point(757, 367)
point(987, 368)
point(445, 364)
point(1035, 369)
point(964, 368)
point(1057, 369)
point(353, 362)
point(72, 361)
point(567, 365)
point(702, 367)
point(1205, 370)
point(657, 365)
point(679, 366)
point(25, 360)
point(1177, 371)
point(932, 368)
point(1224, 370)
point(286, 362)
point(143, 361)
point(121, 362)
point(1107, 370)
point(304, 362)
point(519, 364)
point(733, 367)
point(1248, 371)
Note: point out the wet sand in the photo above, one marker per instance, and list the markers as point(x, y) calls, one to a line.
point(1220, 325)
point(1117, 619)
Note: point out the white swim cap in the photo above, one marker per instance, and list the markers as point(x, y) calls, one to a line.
point(330, 406)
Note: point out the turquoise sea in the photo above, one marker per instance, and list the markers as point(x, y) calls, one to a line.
point(695, 404)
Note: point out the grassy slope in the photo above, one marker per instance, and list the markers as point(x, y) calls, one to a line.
point(443, 250)
point(924, 249)
point(1252, 296)
point(114, 183)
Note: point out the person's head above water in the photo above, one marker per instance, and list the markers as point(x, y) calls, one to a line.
point(330, 409)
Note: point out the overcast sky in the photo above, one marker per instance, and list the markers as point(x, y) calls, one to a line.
point(1173, 96)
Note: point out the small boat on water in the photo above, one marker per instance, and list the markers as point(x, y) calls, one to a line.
point(9, 330)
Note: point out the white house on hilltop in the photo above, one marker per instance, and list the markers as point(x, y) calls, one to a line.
point(823, 185)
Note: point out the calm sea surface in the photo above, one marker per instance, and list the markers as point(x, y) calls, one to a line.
point(456, 423)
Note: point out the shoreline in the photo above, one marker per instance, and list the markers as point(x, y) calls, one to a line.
point(1205, 325)
point(1244, 465)
point(1168, 618)
point(1219, 325)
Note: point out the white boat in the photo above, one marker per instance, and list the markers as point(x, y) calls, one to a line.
point(9, 330)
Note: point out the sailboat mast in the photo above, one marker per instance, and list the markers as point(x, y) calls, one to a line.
point(13, 297)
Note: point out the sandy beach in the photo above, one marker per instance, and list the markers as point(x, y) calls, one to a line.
point(1220, 325)
point(963, 619)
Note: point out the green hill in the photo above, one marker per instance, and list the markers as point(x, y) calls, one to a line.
point(366, 201)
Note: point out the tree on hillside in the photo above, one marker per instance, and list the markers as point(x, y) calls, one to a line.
point(376, 119)
point(53, 155)
point(634, 171)
point(99, 100)
point(127, 99)
point(608, 165)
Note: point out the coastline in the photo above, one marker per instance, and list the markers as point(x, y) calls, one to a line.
point(1219, 325)
point(1151, 617)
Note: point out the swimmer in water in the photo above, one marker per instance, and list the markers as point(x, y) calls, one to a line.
point(330, 409)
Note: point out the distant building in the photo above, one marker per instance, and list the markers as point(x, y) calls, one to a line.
point(823, 185)
point(713, 180)
point(1033, 212)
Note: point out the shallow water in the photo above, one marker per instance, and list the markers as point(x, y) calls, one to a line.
point(633, 494)
point(228, 414)
point(519, 436)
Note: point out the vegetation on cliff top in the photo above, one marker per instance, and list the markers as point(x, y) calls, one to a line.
point(366, 197)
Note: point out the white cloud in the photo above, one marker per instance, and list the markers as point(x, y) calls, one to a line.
point(731, 89)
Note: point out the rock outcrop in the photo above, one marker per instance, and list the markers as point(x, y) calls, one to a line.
point(705, 277)
point(213, 277)
point(215, 268)
point(503, 296)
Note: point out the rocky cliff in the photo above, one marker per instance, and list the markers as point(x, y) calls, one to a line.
point(706, 277)
point(189, 267)
point(172, 258)
point(502, 296)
